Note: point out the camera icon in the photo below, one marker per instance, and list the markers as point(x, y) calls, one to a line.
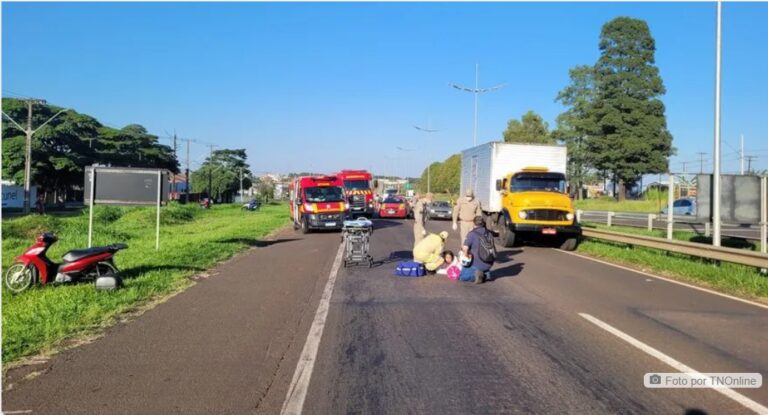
point(655, 380)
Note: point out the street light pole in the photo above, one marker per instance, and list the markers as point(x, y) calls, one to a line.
point(29, 132)
point(476, 91)
point(429, 164)
point(716, 155)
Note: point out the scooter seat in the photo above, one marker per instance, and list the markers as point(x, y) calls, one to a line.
point(78, 254)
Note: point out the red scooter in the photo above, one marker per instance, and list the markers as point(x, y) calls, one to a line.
point(80, 264)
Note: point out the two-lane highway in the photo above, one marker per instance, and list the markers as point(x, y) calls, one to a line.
point(520, 343)
point(553, 333)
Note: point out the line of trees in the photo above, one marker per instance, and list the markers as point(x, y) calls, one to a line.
point(220, 173)
point(62, 149)
point(614, 124)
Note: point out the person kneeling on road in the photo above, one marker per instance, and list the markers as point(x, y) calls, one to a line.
point(428, 251)
point(480, 248)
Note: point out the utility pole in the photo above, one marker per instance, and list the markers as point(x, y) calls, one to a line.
point(701, 161)
point(173, 181)
point(429, 164)
point(210, 169)
point(187, 187)
point(476, 91)
point(716, 153)
point(684, 164)
point(749, 164)
point(741, 154)
point(241, 185)
point(29, 132)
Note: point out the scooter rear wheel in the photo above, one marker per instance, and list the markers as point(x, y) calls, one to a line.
point(19, 277)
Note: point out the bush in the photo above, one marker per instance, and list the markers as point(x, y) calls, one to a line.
point(28, 227)
point(108, 214)
point(176, 213)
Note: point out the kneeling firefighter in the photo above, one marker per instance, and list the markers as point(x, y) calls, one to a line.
point(428, 250)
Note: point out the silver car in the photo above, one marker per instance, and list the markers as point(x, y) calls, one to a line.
point(439, 210)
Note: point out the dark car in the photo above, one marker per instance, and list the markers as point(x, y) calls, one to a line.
point(439, 210)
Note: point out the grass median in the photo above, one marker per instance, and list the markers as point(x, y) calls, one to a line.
point(738, 280)
point(191, 241)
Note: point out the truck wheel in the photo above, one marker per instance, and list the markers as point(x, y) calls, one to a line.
point(304, 227)
point(569, 244)
point(506, 235)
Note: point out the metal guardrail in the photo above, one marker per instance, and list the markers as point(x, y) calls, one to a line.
point(736, 256)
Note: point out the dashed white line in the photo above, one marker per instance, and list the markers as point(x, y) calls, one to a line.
point(297, 391)
point(730, 393)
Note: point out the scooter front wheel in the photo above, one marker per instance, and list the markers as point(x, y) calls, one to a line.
point(19, 277)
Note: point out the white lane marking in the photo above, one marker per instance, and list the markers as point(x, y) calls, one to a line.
point(297, 391)
point(741, 399)
point(706, 290)
point(24, 411)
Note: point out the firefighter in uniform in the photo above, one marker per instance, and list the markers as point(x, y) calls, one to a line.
point(420, 217)
point(464, 214)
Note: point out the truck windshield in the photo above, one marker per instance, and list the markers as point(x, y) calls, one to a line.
point(542, 182)
point(324, 194)
point(357, 184)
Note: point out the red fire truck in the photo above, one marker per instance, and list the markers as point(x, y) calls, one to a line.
point(317, 202)
point(358, 189)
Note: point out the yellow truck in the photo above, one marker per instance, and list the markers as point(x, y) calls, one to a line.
point(522, 190)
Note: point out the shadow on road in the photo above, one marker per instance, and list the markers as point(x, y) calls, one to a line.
point(259, 243)
point(511, 270)
point(394, 256)
point(505, 256)
point(386, 223)
point(136, 271)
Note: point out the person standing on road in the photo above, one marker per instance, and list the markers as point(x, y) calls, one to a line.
point(429, 251)
point(480, 247)
point(420, 217)
point(465, 211)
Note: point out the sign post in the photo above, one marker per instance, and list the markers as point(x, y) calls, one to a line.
point(90, 209)
point(159, 195)
point(125, 186)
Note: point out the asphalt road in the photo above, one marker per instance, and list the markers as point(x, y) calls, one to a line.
point(744, 231)
point(518, 344)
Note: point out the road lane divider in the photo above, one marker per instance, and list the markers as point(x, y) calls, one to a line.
point(297, 391)
point(730, 393)
point(673, 281)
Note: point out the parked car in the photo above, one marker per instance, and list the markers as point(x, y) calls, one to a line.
point(685, 206)
point(440, 210)
point(394, 207)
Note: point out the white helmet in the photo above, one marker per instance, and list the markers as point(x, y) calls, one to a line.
point(465, 260)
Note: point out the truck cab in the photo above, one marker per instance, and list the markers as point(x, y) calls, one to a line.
point(358, 192)
point(317, 202)
point(535, 205)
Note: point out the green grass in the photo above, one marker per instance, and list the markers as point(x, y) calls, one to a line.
point(191, 241)
point(653, 204)
point(738, 280)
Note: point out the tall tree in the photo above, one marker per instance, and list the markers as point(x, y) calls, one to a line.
point(574, 126)
point(222, 170)
point(530, 129)
point(62, 149)
point(630, 137)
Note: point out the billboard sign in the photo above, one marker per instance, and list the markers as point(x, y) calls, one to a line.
point(126, 186)
point(739, 198)
point(13, 196)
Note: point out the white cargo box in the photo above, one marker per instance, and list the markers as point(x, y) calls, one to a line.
point(481, 166)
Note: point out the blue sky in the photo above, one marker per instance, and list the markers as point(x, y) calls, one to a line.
point(320, 87)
